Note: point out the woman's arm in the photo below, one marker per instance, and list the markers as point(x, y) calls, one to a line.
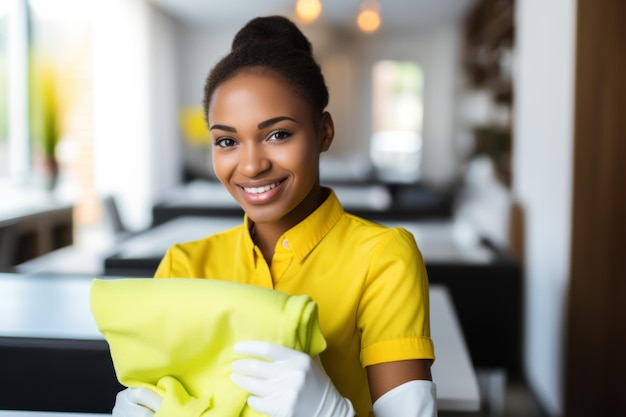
point(403, 388)
point(384, 377)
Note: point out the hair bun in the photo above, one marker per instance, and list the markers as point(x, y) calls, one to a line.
point(271, 29)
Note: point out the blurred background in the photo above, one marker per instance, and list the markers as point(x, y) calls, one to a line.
point(457, 111)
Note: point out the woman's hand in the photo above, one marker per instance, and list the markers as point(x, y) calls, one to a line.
point(283, 382)
point(136, 402)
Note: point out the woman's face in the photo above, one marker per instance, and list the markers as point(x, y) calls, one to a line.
point(266, 147)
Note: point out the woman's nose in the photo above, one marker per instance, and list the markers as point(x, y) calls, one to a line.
point(254, 161)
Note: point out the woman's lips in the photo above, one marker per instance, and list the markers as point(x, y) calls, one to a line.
point(261, 194)
point(259, 190)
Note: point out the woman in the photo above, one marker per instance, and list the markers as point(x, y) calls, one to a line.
point(265, 107)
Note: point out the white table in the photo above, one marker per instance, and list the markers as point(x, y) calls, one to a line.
point(46, 307)
point(56, 308)
point(453, 373)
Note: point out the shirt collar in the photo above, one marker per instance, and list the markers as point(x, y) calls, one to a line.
point(248, 243)
point(304, 236)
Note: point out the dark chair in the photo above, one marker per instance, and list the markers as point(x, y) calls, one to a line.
point(7, 246)
point(114, 220)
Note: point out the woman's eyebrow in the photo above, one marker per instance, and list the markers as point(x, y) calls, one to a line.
point(224, 128)
point(261, 125)
point(274, 120)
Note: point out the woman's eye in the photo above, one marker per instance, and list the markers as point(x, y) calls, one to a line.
point(280, 135)
point(225, 142)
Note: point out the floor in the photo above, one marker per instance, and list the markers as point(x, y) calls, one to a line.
point(502, 397)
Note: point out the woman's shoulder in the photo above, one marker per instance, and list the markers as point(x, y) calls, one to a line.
point(361, 229)
point(365, 226)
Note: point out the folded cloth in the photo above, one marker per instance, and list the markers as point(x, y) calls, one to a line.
point(175, 336)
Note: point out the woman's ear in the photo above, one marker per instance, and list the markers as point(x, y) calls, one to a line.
point(327, 131)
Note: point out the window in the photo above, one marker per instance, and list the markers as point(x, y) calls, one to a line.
point(14, 139)
point(61, 94)
point(396, 143)
point(46, 121)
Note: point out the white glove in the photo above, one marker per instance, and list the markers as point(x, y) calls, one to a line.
point(411, 399)
point(287, 383)
point(136, 402)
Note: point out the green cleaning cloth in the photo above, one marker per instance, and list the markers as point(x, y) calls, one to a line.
point(175, 336)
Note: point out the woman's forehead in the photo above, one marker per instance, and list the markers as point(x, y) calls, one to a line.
point(256, 93)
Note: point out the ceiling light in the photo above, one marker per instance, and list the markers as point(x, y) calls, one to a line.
point(369, 16)
point(308, 10)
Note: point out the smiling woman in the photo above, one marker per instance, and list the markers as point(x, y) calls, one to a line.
point(265, 104)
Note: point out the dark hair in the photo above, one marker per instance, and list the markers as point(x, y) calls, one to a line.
point(275, 44)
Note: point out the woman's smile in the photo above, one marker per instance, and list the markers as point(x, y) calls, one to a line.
point(258, 194)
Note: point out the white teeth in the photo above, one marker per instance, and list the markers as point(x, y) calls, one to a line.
point(259, 190)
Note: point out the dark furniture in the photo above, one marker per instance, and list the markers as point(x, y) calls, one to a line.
point(53, 358)
point(7, 246)
point(52, 355)
point(488, 299)
point(38, 227)
point(62, 375)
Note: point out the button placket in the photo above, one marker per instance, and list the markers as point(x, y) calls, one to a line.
point(281, 260)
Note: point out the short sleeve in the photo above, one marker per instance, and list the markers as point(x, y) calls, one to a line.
point(163, 270)
point(175, 264)
point(393, 313)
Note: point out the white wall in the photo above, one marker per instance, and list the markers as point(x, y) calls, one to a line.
point(200, 48)
point(542, 180)
point(165, 145)
point(134, 106)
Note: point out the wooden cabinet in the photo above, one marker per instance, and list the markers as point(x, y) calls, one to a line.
point(43, 231)
point(38, 225)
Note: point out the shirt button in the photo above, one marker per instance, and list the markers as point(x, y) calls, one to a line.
point(286, 244)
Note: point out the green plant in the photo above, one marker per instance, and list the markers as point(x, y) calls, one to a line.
point(495, 142)
point(45, 117)
point(44, 108)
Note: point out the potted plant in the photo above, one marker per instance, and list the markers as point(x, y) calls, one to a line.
point(45, 126)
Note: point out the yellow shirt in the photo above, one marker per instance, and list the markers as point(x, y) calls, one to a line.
point(369, 283)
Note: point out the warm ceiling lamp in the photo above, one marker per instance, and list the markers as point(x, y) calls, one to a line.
point(308, 10)
point(369, 16)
